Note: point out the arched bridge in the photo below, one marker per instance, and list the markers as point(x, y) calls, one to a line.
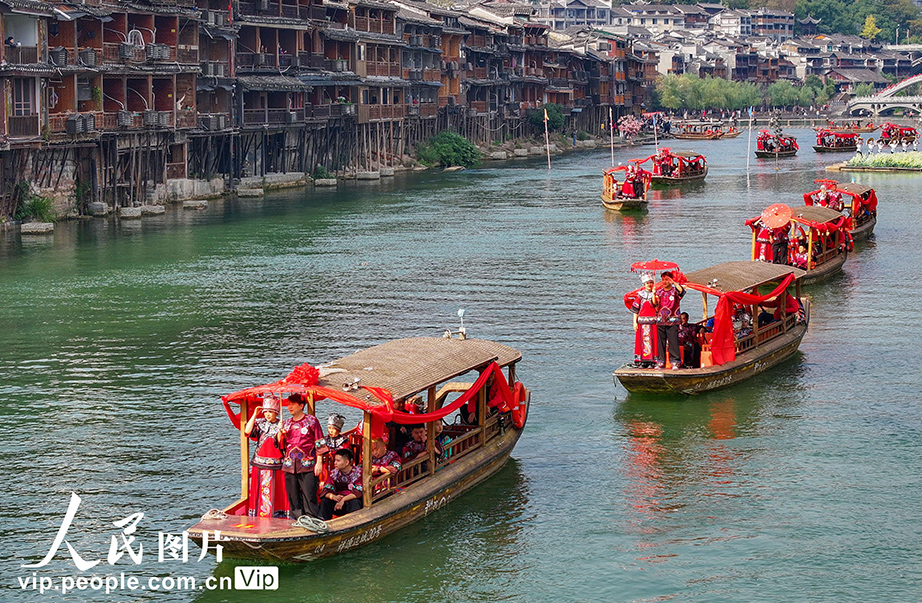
point(875, 105)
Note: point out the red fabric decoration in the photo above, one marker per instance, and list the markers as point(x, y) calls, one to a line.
point(380, 414)
point(304, 374)
point(723, 344)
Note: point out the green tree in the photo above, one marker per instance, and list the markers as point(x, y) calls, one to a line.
point(555, 118)
point(863, 90)
point(870, 31)
point(448, 148)
point(783, 94)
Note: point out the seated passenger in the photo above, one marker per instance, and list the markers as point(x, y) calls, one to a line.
point(399, 433)
point(342, 492)
point(442, 440)
point(800, 257)
point(416, 447)
point(334, 440)
point(383, 462)
point(745, 329)
point(688, 341)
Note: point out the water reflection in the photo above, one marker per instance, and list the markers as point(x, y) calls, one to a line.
point(458, 553)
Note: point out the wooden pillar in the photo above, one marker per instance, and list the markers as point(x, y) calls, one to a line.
point(244, 453)
point(430, 431)
point(366, 459)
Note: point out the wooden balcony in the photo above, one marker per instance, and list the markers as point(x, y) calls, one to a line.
point(23, 126)
point(255, 117)
point(374, 25)
point(382, 69)
point(186, 118)
point(21, 55)
point(367, 113)
point(256, 60)
point(478, 106)
point(187, 55)
point(432, 75)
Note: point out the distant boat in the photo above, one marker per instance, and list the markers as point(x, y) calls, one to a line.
point(770, 146)
point(676, 167)
point(828, 141)
point(697, 130)
point(858, 201)
point(629, 193)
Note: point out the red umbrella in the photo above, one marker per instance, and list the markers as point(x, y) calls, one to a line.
point(777, 215)
point(654, 266)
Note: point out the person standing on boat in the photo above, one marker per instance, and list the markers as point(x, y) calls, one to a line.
point(764, 243)
point(342, 492)
point(780, 245)
point(267, 482)
point(299, 436)
point(667, 324)
point(644, 310)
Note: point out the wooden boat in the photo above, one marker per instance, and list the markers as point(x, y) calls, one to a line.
point(676, 167)
point(630, 193)
point(731, 133)
point(396, 370)
point(822, 231)
point(697, 130)
point(771, 146)
point(859, 201)
point(836, 142)
point(890, 132)
point(726, 359)
point(846, 129)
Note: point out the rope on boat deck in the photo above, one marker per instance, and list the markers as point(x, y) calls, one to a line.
point(214, 514)
point(311, 523)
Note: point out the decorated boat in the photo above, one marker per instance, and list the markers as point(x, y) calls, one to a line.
point(675, 167)
point(893, 132)
point(814, 239)
point(855, 128)
point(856, 200)
point(725, 348)
point(697, 130)
point(733, 132)
point(775, 146)
point(828, 141)
point(376, 381)
point(625, 187)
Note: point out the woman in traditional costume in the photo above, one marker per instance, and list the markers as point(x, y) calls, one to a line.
point(644, 310)
point(267, 482)
point(764, 244)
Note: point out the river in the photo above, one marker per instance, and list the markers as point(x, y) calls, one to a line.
point(801, 484)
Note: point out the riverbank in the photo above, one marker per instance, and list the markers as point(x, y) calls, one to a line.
point(185, 194)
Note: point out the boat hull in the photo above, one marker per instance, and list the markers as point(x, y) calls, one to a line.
point(624, 204)
point(825, 270)
point(865, 230)
point(683, 179)
point(697, 136)
point(821, 149)
point(276, 540)
point(730, 135)
point(699, 380)
point(775, 154)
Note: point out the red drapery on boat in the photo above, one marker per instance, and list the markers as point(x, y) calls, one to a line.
point(723, 345)
point(510, 396)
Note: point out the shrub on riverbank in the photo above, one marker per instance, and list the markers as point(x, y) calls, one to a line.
point(32, 206)
point(448, 149)
point(911, 159)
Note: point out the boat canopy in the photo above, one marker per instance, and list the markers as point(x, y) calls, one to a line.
point(819, 217)
point(740, 276)
point(847, 135)
point(372, 379)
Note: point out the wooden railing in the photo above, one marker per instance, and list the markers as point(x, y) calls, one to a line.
point(20, 126)
point(271, 116)
point(382, 68)
point(368, 113)
point(374, 25)
point(186, 118)
point(21, 55)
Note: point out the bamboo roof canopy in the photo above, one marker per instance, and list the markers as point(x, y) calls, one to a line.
point(854, 188)
point(407, 366)
point(739, 276)
point(816, 213)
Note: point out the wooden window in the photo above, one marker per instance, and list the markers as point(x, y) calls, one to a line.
point(23, 91)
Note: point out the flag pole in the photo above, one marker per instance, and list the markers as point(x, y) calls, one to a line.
point(547, 141)
point(611, 135)
point(655, 140)
point(749, 144)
